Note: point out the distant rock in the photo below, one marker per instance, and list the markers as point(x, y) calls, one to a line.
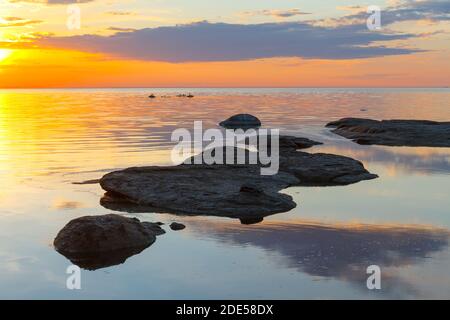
point(414, 133)
point(152, 96)
point(177, 226)
point(241, 121)
point(94, 242)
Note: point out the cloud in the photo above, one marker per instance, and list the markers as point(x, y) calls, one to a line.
point(121, 13)
point(204, 41)
point(343, 38)
point(118, 29)
point(16, 22)
point(50, 2)
point(433, 10)
point(276, 13)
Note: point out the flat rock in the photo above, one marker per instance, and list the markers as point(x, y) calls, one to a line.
point(311, 169)
point(229, 190)
point(241, 121)
point(291, 142)
point(215, 190)
point(94, 242)
point(414, 133)
point(323, 169)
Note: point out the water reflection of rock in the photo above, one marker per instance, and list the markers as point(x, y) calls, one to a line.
point(116, 203)
point(338, 251)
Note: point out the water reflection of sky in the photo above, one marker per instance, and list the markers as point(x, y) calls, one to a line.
point(317, 250)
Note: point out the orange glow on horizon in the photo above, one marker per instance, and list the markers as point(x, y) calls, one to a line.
point(54, 68)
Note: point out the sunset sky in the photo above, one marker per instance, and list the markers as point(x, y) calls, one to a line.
point(223, 43)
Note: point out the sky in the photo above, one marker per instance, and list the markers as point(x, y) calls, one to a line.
point(223, 43)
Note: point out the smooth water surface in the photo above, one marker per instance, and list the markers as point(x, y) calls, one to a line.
point(321, 249)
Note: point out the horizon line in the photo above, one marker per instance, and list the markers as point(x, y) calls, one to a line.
point(231, 87)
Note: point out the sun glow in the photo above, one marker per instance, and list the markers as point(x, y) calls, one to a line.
point(4, 53)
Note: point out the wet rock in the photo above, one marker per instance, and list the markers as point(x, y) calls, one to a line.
point(177, 226)
point(229, 190)
point(323, 169)
point(94, 242)
point(413, 133)
point(290, 142)
point(241, 121)
point(311, 169)
point(199, 190)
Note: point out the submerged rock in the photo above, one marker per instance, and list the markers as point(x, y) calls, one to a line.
point(241, 121)
point(415, 133)
point(323, 169)
point(94, 242)
point(290, 142)
point(177, 226)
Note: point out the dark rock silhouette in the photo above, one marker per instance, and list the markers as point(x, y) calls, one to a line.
point(200, 189)
point(236, 191)
point(414, 133)
point(290, 142)
point(241, 121)
point(94, 242)
point(177, 226)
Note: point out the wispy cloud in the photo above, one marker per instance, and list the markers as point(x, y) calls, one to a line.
point(52, 2)
point(409, 10)
point(276, 13)
point(7, 22)
point(118, 29)
point(121, 13)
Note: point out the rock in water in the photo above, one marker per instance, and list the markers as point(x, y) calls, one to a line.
point(95, 242)
point(241, 121)
point(290, 142)
point(414, 133)
point(177, 226)
point(229, 190)
point(198, 189)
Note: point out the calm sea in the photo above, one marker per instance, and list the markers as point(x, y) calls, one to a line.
point(321, 249)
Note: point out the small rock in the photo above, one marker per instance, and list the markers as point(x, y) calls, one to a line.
point(241, 121)
point(177, 226)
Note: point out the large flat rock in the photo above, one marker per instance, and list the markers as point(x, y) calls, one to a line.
point(217, 190)
point(230, 190)
point(414, 133)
